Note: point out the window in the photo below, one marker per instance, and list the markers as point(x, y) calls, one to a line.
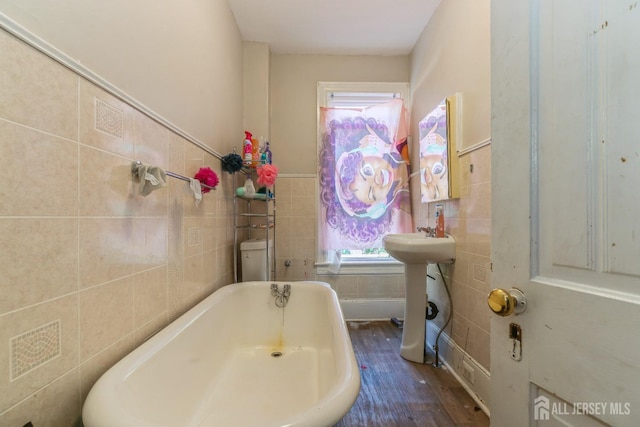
point(363, 174)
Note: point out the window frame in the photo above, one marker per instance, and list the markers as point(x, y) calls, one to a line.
point(324, 90)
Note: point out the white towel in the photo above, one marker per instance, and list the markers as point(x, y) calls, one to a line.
point(196, 189)
point(150, 178)
point(335, 260)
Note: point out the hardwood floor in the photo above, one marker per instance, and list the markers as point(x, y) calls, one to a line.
point(398, 393)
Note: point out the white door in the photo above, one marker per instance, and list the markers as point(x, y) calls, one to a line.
point(566, 211)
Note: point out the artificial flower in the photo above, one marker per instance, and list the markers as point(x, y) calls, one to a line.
point(208, 177)
point(267, 175)
point(231, 163)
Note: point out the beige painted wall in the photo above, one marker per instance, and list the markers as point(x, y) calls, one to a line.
point(180, 59)
point(256, 69)
point(453, 55)
point(293, 99)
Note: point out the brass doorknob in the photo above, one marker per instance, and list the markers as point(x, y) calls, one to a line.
point(505, 303)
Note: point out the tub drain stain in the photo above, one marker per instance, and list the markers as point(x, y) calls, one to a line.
point(277, 354)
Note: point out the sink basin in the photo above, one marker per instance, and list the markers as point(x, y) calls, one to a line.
point(416, 248)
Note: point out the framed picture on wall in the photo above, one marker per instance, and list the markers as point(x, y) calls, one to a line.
point(438, 158)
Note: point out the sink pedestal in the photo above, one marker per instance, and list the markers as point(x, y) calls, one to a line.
point(416, 250)
point(415, 303)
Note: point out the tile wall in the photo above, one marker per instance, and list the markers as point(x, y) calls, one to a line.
point(468, 219)
point(89, 268)
point(296, 241)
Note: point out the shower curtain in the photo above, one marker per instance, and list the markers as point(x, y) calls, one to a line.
point(363, 176)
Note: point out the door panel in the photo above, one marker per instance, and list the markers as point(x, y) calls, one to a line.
point(585, 348)
point(622, 145)
point(588, 101)
point(564, 119)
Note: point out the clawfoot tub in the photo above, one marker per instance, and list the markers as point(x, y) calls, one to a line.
point(251, 354)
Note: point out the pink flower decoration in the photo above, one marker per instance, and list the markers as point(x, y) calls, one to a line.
point(267, 175)
point(208, 177)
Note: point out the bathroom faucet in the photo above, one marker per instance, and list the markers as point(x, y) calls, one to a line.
point(282, 297)
point(429, 232)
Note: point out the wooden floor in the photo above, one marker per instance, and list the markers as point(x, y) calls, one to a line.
point(398, 393)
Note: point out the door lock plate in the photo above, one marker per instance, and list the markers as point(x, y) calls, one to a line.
point(515, 345)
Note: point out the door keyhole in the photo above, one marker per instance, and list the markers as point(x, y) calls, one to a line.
point(515, 334)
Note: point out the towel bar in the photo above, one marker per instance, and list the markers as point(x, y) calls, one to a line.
point(171, 174)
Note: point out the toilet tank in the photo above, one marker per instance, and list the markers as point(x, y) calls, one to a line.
point(254, 265)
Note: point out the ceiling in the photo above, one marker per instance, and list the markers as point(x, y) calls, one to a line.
point(334, 27)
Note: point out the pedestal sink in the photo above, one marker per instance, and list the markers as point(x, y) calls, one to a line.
point(416, 250)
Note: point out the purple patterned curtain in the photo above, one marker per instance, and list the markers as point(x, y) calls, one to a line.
point(363, 176)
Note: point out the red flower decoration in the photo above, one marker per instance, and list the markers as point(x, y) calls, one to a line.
point(208, 177)
point(267, 175)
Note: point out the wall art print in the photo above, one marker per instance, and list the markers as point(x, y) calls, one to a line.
point(434, 170)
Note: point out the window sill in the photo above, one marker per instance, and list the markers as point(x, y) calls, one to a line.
point(362, 268)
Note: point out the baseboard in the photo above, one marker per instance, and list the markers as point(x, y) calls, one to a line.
point(372, 309)
point(453, 356)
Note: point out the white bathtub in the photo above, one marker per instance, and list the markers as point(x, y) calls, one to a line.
point(215, 365)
